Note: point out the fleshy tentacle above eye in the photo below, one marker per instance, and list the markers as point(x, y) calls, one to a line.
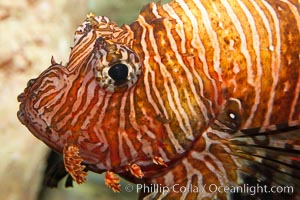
point(90, 30)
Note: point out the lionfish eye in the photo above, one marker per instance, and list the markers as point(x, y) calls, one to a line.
point(117, 67)
point(118, 72)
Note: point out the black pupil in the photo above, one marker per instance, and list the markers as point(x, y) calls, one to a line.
point(118, 72)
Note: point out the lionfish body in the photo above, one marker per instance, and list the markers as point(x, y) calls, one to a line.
point(193, 93)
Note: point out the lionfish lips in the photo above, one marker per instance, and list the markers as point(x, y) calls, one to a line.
point(21, 117)
point(27, 113)
point(22, 98)
point(23, 95)
point(20, 113)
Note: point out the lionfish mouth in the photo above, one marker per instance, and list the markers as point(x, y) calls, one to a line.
point(20, 115)
point(22, 98)
point(28, 115)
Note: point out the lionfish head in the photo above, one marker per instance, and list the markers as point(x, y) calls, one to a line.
point(79, 103)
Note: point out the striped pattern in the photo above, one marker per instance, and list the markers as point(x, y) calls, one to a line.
point(209, 69)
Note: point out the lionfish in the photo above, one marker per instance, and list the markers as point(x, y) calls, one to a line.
point(194, 93)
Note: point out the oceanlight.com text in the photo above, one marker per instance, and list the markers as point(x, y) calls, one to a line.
point(212, 188)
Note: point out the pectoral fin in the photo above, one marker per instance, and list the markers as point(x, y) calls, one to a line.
point(73, 163)
point(270, 156)
point(248, 162)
